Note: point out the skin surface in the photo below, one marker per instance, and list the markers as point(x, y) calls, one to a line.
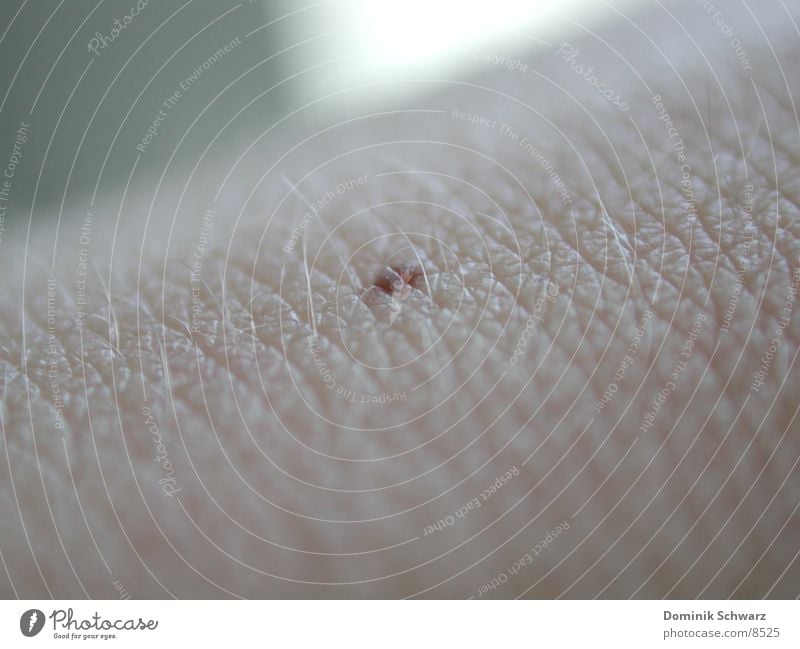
point(265, 428)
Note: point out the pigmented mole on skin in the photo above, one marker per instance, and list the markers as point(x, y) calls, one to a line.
point(398, 280)
point(392, 287)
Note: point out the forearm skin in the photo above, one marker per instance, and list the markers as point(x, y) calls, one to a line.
point(204, 452)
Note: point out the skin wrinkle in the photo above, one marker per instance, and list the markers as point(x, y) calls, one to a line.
point(609, 295)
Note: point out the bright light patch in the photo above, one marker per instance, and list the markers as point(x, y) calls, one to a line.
point(392, 39)
point(405, 34)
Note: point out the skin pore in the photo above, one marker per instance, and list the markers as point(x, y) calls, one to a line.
point(586, 390)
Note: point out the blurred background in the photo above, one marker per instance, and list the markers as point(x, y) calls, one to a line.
point(89, 78)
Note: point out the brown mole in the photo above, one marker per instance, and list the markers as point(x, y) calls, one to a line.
point(397, 280)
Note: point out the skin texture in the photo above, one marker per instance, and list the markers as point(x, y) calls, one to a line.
point(274, 425)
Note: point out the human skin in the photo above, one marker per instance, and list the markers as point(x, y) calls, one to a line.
point(237, 450)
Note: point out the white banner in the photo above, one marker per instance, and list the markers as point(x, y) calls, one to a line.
point(386, 624)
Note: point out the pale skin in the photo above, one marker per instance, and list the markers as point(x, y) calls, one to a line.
point(565, 398)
